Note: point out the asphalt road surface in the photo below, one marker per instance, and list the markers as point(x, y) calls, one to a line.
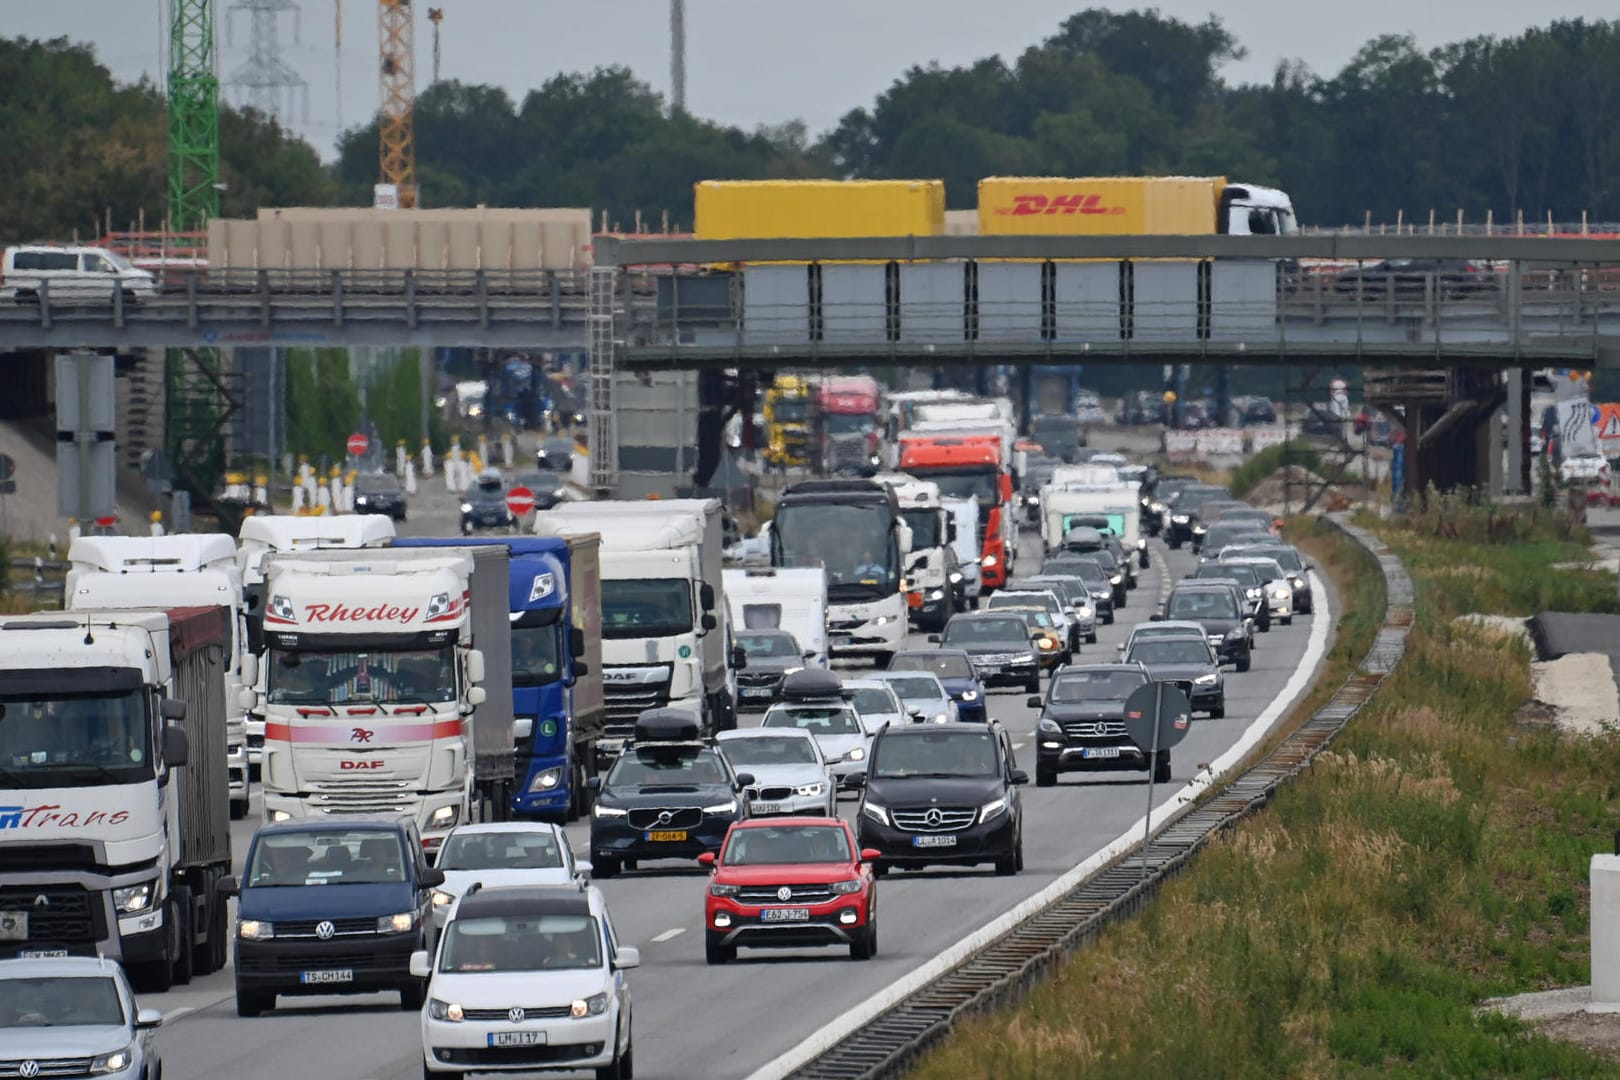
point(692, 1020)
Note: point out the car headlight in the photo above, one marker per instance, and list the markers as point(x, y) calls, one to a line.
point(466, 508)
point(810, 791)
point(1157, 507)
point(444, 1010)
point(1114, 579)
point(443, 817)
point(936, 594)
point(883, 620)
point(1207, 680)
point(1046, 643)
point(1179, 519)
point(1253, 594)
point(1281, 592)
point(117, 1061)
point(1141, 543)
point(941, 718)
point(856, 754)
point(607, 811)
point(1200, 530)
point(255, 930)
point(875, 812)
point(595, 1005)
point(991, 809)
point(1296, 581)
point(844, 888)
point(1234, 634)
point(1048, 726)
point(442, 898)
point(727, 807)
point(546, 779)
point(989, 562)
point(970, 695)
point(133, 898)
point(403, 923)
point(724, 890)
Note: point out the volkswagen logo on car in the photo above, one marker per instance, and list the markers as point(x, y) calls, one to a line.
point(324, 930)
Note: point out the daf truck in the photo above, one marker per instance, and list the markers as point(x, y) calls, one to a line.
point(115, 828)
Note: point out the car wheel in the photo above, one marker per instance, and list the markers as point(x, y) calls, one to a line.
point(1288, 620)
point(1161, 768)
point(880, 660)
point(1218, 713)
point(715, 953)
point(1108, 620)
point(879, 870)
point(1091, 638)
point(1175, 545)
point(412, 995)
point(864, 947)
point(1244, 661)
point(1265, 627)
point(604, 868)
point(1045, 777)
point(1008, 864)
point(613, 1070)
point(1033, 684)
point(253, 1004)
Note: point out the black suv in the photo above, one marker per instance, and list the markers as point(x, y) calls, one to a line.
point(669, 795)
point(379, 493)
point(943, 794)
point(1214, 605)
point(998, 645)
point(1090, 571)
point(484, 505)
point(1248, 579)
point(1184, 526)
point(1082, 724)
point(1187, 661)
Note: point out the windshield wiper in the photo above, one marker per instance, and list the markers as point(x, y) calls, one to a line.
point(412, 701)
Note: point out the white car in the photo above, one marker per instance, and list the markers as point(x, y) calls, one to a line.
point(790, 772)
point(878, 704)
point(68, 274)
point(504, 853)
point(1279, 591)
point(924, 696)
point(837, 729)
point(527, 978)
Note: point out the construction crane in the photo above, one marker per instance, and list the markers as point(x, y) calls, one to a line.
point(435, 16)
point(397, 72)
point(193, 116)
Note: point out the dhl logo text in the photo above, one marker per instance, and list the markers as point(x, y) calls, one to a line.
point(1027, 205)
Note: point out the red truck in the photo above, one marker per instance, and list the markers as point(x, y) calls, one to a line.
point(971, 465)
point(849, 412)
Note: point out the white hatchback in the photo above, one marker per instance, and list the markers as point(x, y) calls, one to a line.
point(527, 979)
point(504, 853)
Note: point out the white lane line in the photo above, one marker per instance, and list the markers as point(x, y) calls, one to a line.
point(1018, 746)
point(674, 932)
point(172, 1015)
point(863, 1014)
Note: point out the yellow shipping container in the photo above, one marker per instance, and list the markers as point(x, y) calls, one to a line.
point(1100, 206)
point(770, 209)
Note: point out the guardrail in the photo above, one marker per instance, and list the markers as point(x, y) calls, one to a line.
point(1008, 967)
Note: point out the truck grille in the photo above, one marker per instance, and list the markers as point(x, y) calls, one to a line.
point(846, 453)
point(364, 797)
point(797, 894)
point(1094, 729)
point(936, 820)
point(46, 1067)
point(69, 916)
point(680, 817)
point(622, 704)
point(305, 928)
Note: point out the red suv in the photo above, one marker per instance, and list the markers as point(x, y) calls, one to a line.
point(788, 883)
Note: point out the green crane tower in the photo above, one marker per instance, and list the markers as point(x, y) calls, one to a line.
point(199, 401)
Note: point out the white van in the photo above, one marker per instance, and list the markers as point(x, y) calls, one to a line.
point(71, 275)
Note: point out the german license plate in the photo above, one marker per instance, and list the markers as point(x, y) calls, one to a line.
point(321, 978)
point(933, 841)
point(664, 836)
point(784, 914)
point(767, 808)
point(1100, 752)
point(517, 1038)
point(13, 926)
point(756, 691)
point(41, 954)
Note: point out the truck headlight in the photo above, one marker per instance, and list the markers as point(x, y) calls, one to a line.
point(117, 1061)
point(273, 816)
point(546, 779)
point(402, 923)
point(438, 604)
point(443, 817)
point(281, 608)
point(595, 1005)
point(444, 1010)
point(134, 898)
point(1207, 680)
point(255, 930)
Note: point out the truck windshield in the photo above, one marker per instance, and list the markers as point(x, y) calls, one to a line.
point(76, 739)
point(646, 607)
point(924, 522)
point(536, 655)
point(962, 484)
point(849, 423)
point(790, 410)
point(345, 676)
point(854, 543)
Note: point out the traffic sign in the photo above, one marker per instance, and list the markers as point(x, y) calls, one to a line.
point(1157, 716)
point(520, 500)
point(358, 444)
point(106, 522)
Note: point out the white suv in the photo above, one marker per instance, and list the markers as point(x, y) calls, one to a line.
point(526, 978)
point(71, 275)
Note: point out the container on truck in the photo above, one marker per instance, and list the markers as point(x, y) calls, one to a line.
point(1131, 206)
point(789, 422)
point(666, 639)
point(115, 831)
point(782, 598)
point(933, 573)
point(740, 209)
point(190, 569)
point(554, 605)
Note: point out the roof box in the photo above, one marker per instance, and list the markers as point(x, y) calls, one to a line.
point(668, 725)
point(812, 683)
point(1082, 539)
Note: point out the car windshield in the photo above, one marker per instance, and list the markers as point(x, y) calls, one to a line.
point(916, 689)
point(1268, 570)
point(646, 607)
point(341, 677)
point(519, 943)
point(376, 484)
point(774, 845)
point(356, 857)
point(652, 766)
point(936, 753)
point(63, 739)
point(1286, 558)
point(769, 645)
point(772, 750)
point(848, 423)
point(60, 1001)
point(1203, 604)
point(816, 719)
point(1094, 685)
point(945, 665)
point(527, 850)
point(979, 631)
point(1214, 571)
point(871, 699)
point(1170, 651)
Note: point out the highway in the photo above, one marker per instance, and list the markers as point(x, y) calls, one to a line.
point(694, 1020)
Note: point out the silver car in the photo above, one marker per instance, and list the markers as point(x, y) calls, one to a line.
point(74, 1016)
point(923, 695)
point(877, 703)
point(790, 772)
point(837, 729)
point(1279, 591)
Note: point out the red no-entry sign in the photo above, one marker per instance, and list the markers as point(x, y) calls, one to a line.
point(358, 444)
point(520, 500)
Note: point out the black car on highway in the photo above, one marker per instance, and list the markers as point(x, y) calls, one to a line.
point(1082, 724)
point(484, 505)
point(1247, 579)
point(1217, 606)
point(1184, 526)
point(771, 654)
point(998, 645)
point(943, 794)
point(1089, 571)
point(555, 454)
point(1289, 558)
point(1188, 662)
point(547, 488)
point(379, 493)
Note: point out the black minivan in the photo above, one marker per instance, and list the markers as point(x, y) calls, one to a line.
point(332, 906)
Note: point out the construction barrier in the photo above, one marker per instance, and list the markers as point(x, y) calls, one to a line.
point(1219, 442)
point(1260, 438)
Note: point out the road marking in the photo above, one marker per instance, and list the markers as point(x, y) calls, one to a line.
point(174, 1014)
point(669, 934)
point(1018, 746)
point(877, 1004)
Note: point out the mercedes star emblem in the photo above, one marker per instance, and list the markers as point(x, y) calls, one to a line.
point(324, 930)
point(515, 1015)
point(28, 1068)
point(934, 818)
point(784, 893)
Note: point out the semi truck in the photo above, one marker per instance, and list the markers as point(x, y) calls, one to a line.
point(932, 570)
point(853, 530)
point(115, 825)
point(666, 631)
point(849, 419)
point(789, 422)
point(369, 685)
point(554, 606)
point(1131, 206)
point(194, 570)
point(972, 465)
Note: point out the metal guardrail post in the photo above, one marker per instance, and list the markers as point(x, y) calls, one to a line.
point(337, 298)
point(410, 299)
point(264, 299)
point(191, 299)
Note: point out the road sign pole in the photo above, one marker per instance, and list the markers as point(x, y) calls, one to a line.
point(1153, 767)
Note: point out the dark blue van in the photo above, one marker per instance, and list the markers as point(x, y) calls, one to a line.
point(332, 906)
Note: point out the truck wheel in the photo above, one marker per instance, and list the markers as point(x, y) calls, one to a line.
point(239, 809)
point(202, 953)
point(184, 949)
point(156, 977)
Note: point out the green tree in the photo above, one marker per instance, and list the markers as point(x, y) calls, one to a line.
point(323, 403)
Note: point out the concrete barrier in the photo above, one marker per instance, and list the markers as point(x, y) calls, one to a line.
point(1220, 442)
point(1181, 445)
point(1260, 438)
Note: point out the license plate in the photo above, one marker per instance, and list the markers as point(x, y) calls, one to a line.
point(756, 691)
point(337, 975)
point(517, 1038)
point(42, 954)
point(767, 808)
point(842, 640)
point(1100, 752)
point(784, 914)
point(933, 841)
point(13, 926)
point(664, 836)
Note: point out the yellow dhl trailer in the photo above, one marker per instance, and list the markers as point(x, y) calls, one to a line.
point(1131, 206)
point(756, 209)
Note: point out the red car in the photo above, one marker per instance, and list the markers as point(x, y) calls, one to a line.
point(788, 883)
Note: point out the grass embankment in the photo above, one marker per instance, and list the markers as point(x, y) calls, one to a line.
point(1435, 856)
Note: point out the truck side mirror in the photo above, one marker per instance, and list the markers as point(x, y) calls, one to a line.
point(172, 709)
point(250, 669)
point(247, 699)
point(176, 746)
point(593, 783)
point(706, 597)
point(580, 668)
point(476, 696)
point(950, 532)
point(709, 621)
point(228, 886)
point(739, 658)
point(576, 643)
point(522, 728)
point(475, 665)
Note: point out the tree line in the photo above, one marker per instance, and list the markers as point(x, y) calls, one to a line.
point(1487, 124)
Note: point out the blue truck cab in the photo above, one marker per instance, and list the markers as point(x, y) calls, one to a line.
point(555, 606)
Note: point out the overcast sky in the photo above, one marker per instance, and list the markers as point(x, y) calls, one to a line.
point(748, 62)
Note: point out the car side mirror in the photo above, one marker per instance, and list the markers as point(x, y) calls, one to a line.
point(870, 854)
point(583, 869)
point(176, 746)
point(706, 859)
point(522, 728)
point(916, 715)
point(1033, 701)
point(1157, 616)
point(933, 639)
point(627, 957)
point(228, 886)
point(593, 783)
point(1309, 567)
point(432, 878)
point(476, 696)
point(709, 622)
point(421, 964)
point(1018, 776)
point(744, 779)
point(809, 654)
point(173, 709)
point(146, 1019)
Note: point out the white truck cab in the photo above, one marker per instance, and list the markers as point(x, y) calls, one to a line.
point(932, 568)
